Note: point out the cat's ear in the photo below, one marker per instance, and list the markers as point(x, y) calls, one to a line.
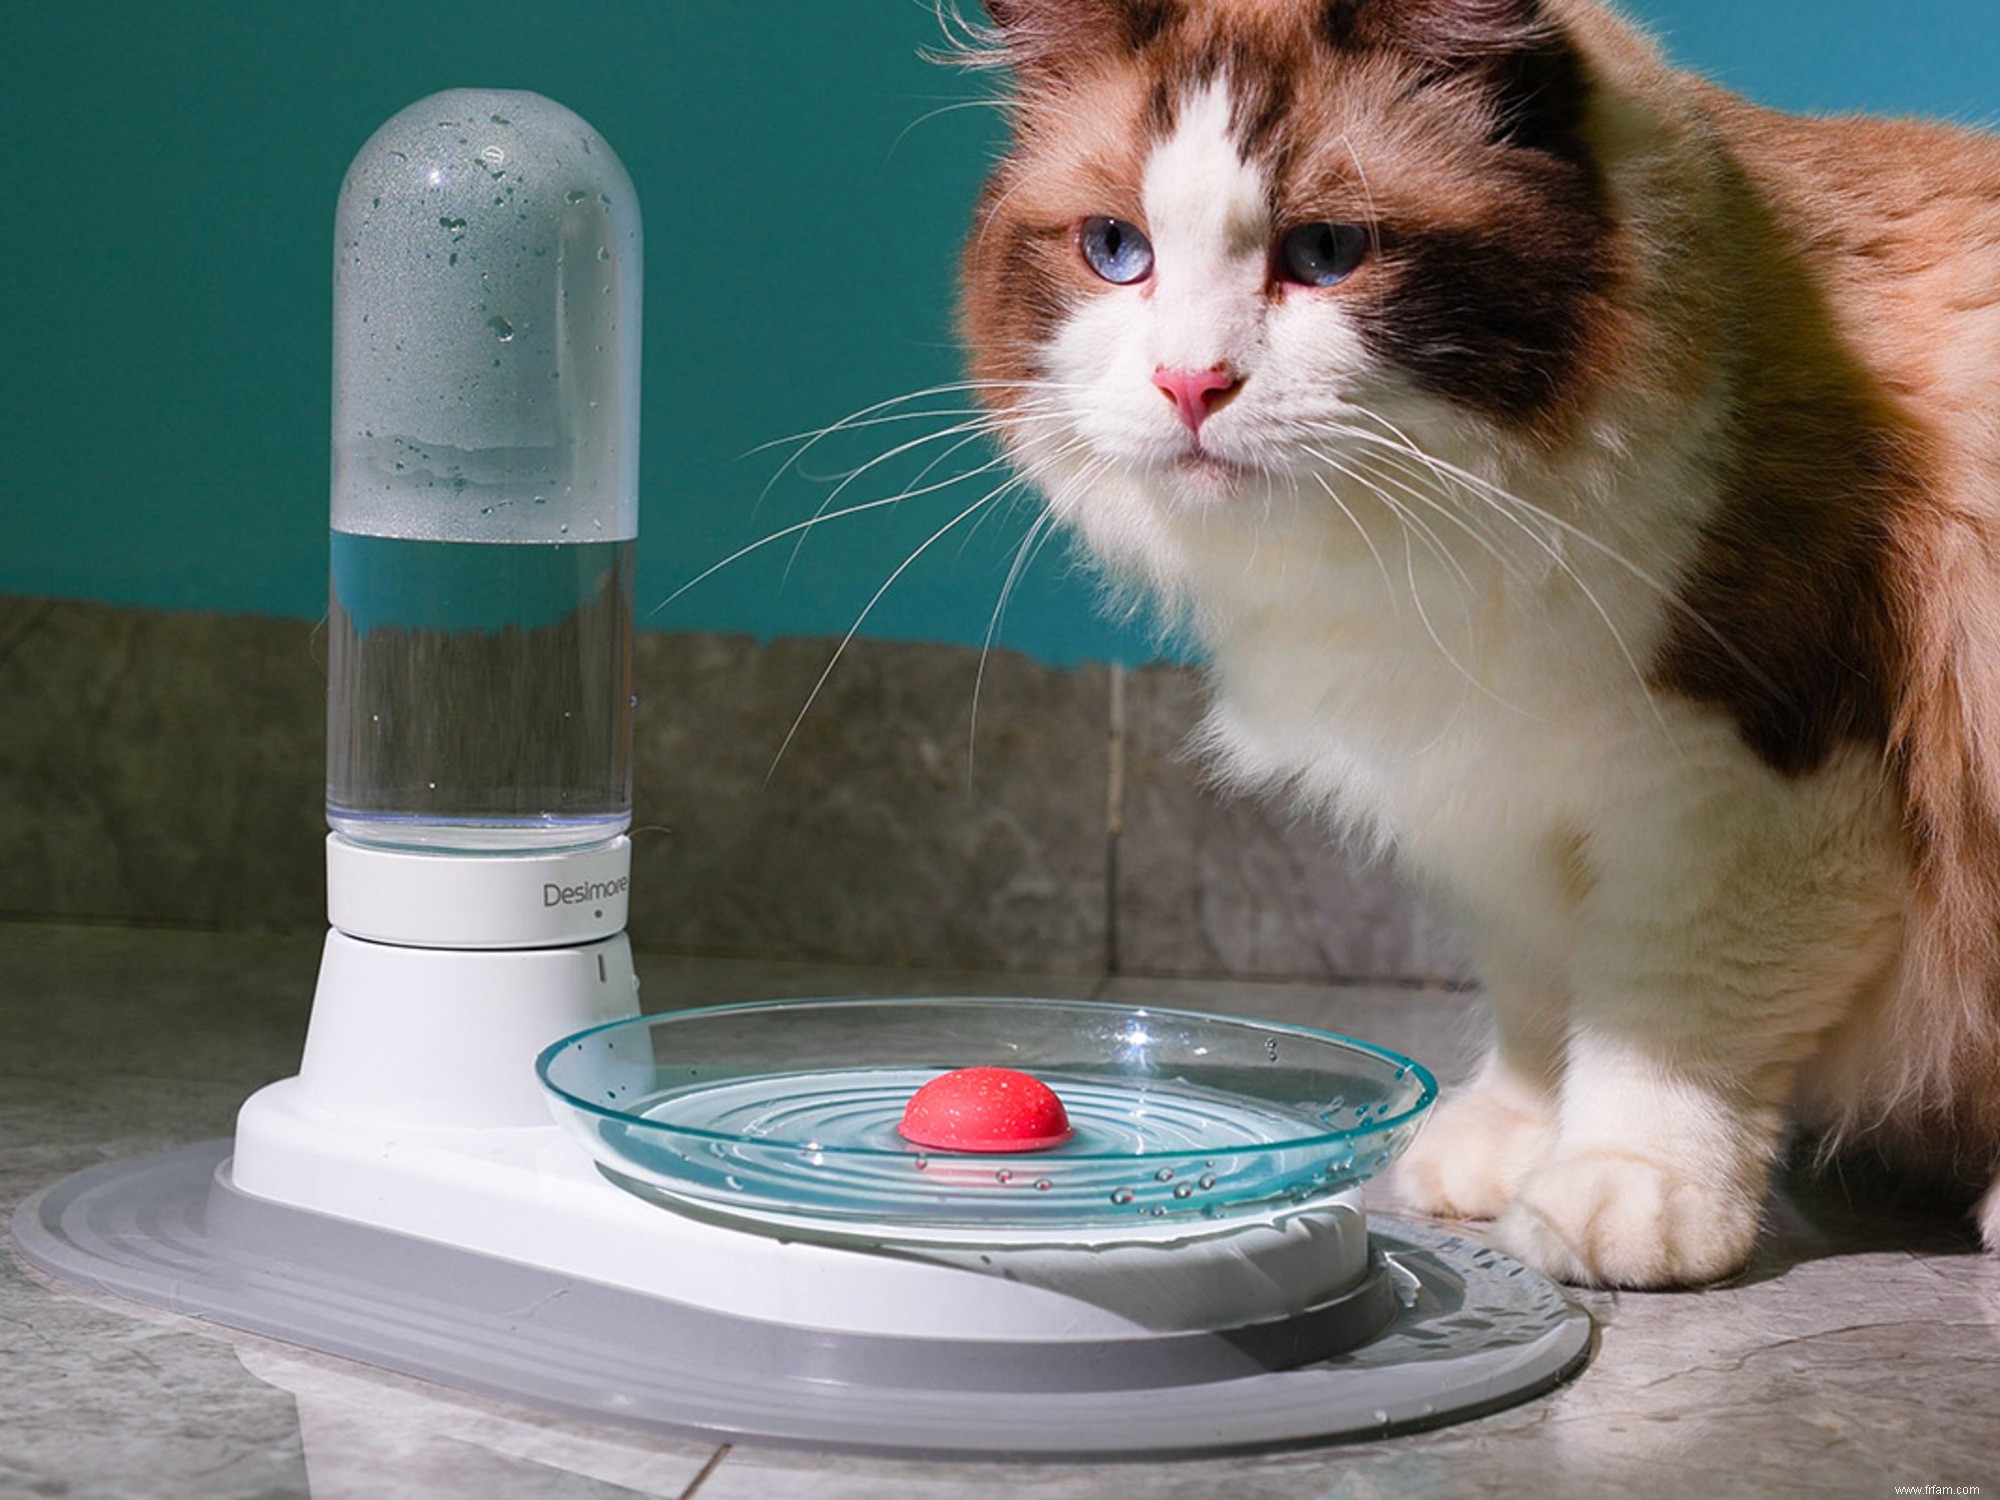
point(1040, 38)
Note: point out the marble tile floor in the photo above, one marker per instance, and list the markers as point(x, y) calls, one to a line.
point(1860, 1353)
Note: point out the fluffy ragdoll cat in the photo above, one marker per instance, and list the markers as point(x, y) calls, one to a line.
point(1589, 483)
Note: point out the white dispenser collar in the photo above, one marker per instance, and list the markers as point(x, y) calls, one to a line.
point(447, 900)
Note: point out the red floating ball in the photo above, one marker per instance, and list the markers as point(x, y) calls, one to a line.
point(985, 1109)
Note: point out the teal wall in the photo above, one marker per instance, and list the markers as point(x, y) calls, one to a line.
point(169, 177)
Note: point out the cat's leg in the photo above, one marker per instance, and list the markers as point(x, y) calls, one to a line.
point(1484, 1139)
point(1731, 923)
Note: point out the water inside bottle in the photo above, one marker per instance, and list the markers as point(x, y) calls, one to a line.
point(479, 693)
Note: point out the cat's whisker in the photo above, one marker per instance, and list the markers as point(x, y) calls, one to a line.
point(862, 425)
point(869, 608)
point(811, 521)
point(997, 105)
point(1038, 532)
point(882, 413)
point(1406, 483)
point(1502, 497)
point(1415, 468)
point(1072, 445)
point(1388, 588)
point(850, 422)
point(967, 433)
point(1498, 499)
point(1409, 520)
point(1413, 527)
point(915, 489)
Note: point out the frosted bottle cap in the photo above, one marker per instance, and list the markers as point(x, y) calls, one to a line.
point(486, 305)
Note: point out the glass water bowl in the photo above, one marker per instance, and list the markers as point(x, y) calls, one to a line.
point(788, 1110)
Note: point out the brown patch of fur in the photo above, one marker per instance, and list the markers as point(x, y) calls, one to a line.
point(1854, 572)
point(1786, 620)
point(1576, 876)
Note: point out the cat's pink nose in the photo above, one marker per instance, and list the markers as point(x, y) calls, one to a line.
point(1198, 394)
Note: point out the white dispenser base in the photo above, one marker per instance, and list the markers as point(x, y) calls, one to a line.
point(417, 1110)
point(409, 1202)
point(530, 1195)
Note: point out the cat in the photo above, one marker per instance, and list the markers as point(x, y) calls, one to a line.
point(1587, 483)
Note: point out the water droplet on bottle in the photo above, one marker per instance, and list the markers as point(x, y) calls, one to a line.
point(1206, 1181)
point(502, 329)
point(1003, 1176)
point(1271, 1048)
point(1381, 1416)
point(577, 195)
point(1042, 1184)
point(921, 1162)
point(604, 252)
point(1122, 1196)
point(1165, 1174)
point(1183, 1190)
point(734, 1184)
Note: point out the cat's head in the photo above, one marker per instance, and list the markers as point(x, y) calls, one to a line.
point(1236, 242)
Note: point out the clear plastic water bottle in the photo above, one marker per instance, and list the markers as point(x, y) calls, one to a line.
point(485, 481)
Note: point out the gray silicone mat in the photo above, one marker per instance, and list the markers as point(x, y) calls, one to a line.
point(1470, 1331)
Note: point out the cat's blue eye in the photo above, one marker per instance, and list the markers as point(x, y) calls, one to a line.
point(1322, 254)
point(1115, 250)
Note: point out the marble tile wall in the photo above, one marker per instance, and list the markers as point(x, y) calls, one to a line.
point(166, 768)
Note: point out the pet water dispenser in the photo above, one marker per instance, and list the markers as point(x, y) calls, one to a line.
point(493, 1171)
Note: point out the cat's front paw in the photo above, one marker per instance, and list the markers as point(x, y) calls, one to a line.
point(1608, 1218)
point(1988, 1214)
point(1473, 1156)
